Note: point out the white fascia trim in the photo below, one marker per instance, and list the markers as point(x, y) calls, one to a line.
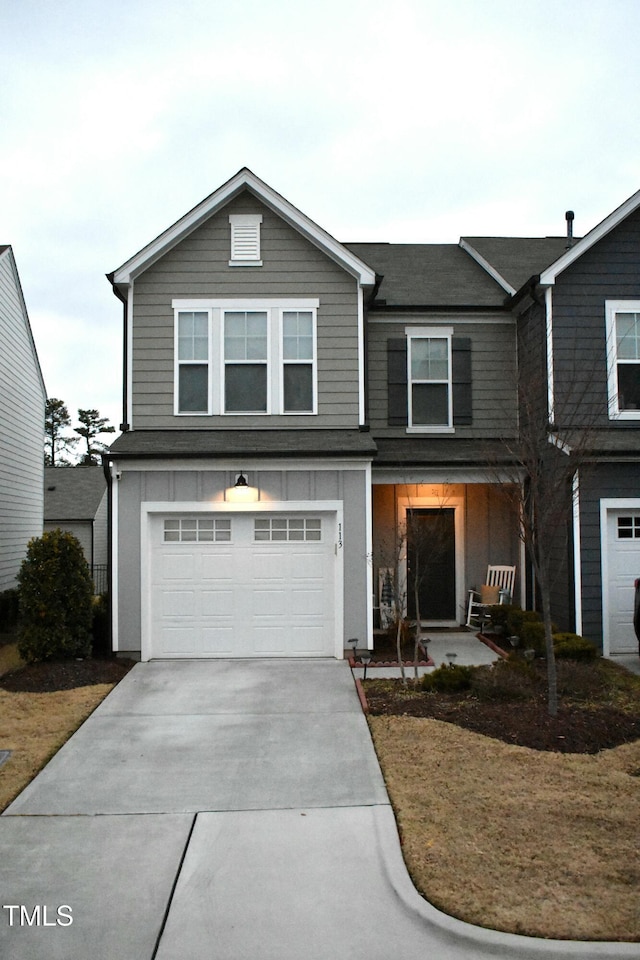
point(362, 413)
point(551, 393)
point(369, 548)
point(129, 371)
point(493, 273)
point(115, 580)
point(234, 464)
point(246, 303)
point(577, 552)
point(549, 275)
point(211, 204)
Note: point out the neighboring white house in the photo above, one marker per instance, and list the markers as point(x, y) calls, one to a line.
point(22, 411)
point(75, 500)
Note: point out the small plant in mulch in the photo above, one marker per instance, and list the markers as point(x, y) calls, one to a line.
point(600, 704)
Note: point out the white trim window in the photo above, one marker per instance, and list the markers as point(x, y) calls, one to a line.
point(298, 383)
point(429, 378)
point(245, 240)
point(623, 358)
point(246, 357)
point(246, 361)
point(192, 361)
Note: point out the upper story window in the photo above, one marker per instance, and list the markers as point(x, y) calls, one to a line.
point(623, 358)
point(245, 240)
point(246, 358)
point(429, 376)
point(298, 361)
point(192, 335)
point(243, 357)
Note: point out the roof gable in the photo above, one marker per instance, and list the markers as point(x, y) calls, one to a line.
point(428, 275)
point(512, 261)
point(73, 493)
point(243, 180)
point(548, 276)
point(6, 252)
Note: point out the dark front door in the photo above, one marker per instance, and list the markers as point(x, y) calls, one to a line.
point(431, 562)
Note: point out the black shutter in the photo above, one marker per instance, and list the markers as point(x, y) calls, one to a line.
point(461, 380)
point(398, 409)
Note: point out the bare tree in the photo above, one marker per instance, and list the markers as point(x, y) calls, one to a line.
point(549, 455)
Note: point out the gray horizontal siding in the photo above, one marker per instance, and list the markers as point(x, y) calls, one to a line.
point(610, 270)
point(493, 351)
point(136, 487)
point(21, 429)
point(199, 267)
point(605, 481)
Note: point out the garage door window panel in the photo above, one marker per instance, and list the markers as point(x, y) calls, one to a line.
point(290, 529)
point(197, 530)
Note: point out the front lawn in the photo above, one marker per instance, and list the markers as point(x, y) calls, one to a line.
point(538, 839)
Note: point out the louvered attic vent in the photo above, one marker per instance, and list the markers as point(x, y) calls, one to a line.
point(245, 240)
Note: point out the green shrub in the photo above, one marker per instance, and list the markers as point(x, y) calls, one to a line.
point(570, 646)
point(9, 608)
point(448, 679)
point(56, 594)
point(532, 636)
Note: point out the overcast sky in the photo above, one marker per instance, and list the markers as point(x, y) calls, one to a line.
point(398, 120)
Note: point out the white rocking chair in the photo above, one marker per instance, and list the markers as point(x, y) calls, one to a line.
point(498, 588)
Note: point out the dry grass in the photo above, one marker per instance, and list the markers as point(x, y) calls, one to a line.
point(543, 844)
point(34, 726)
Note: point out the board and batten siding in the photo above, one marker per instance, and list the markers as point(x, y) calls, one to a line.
point(198, 267)
point(276, 486)
point(609, 270)
point(22, 404)
point(493, 370)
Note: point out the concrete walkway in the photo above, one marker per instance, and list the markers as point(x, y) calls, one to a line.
point(225, 809)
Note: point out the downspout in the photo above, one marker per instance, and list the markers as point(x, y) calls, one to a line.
point(107, 472)
point(124, 426)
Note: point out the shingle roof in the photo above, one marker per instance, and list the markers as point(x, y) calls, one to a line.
point(243, 443)
point(438, 451)
point(72, 493)
point(517, 259)
point(429, 274)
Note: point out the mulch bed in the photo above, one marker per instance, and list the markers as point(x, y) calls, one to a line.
point(64, 675)
point(577, 729)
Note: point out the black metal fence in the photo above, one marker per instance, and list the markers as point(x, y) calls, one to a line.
point(100, 578)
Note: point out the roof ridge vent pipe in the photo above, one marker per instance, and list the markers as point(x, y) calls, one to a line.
point(569, 215)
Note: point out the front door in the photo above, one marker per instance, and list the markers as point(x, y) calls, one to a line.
point(431, 563)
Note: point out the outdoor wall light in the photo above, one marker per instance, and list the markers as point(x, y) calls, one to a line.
point(241, 492)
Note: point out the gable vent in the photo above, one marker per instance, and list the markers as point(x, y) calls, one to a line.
point(245, 240)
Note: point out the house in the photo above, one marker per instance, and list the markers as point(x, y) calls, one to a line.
point(290, 403)
point(22, 404)
point(75, 500)
point(581, 313)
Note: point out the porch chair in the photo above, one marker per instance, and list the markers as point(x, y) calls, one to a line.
point(498, 588)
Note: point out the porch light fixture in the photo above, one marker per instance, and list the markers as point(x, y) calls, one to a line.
point(241, 492)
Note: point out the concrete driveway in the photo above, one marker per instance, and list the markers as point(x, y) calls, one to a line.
point(224, 809)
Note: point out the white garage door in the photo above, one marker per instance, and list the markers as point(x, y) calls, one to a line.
point(623, 562)
point(242, 585)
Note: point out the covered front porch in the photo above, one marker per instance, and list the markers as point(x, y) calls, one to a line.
point(433, 540)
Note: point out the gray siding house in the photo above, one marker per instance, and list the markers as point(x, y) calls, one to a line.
point(291, 401)
point(75, 500)
point(22, 403)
